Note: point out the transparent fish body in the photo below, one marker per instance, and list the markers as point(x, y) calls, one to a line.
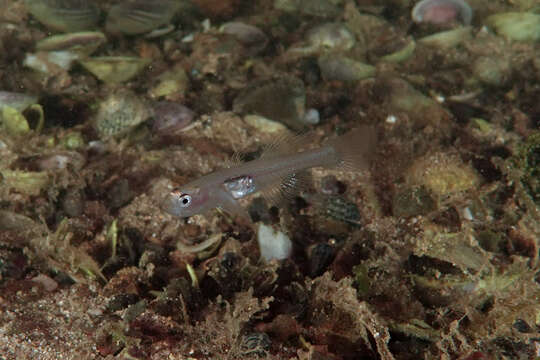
point(277, 174)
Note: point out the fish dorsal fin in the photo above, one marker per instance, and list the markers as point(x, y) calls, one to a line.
point(234, 160)
point(287, 144)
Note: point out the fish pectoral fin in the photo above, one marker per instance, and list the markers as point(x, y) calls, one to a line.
point(233, 207)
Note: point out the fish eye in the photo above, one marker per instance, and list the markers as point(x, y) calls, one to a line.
point(185, 200)
point(182, 198)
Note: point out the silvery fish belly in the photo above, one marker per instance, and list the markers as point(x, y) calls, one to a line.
point(239, 186)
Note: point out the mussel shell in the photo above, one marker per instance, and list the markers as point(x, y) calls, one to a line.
point(115, 69)
point(65, 15)
point(342, 68)
point(140, 16)
point(85, 42)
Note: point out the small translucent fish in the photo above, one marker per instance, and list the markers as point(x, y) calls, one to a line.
point(277, 174)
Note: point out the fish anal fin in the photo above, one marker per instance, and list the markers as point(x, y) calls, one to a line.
point(284, 190)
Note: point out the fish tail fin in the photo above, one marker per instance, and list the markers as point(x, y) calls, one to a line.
point(355, 149)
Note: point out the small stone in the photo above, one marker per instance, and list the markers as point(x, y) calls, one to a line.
point(47, 283)
point(264, 125)
point(312, 117)
point(273, 244)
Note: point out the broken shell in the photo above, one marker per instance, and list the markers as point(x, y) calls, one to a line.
point(441, 291)
point(11, 118)
point(458, 249)
point(61, 161)
point(343, 68)
point(64, 15)
point(24, 182)
point(72, 141)
point(18, 101)
point(447, 39)
point(50, 62)
point(171, 82)
point(57, 53)
point(39, 117)
point(329, 36)
point(442, 12)
point(401, 55)
point(140, 16)
point(115, 69)
point(14, 122)
point(519, 26)
point(83, 43)
point(119, 113)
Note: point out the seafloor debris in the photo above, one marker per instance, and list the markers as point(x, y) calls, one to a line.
point(431, 253)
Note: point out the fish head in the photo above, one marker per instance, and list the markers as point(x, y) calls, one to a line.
point(185, 202)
